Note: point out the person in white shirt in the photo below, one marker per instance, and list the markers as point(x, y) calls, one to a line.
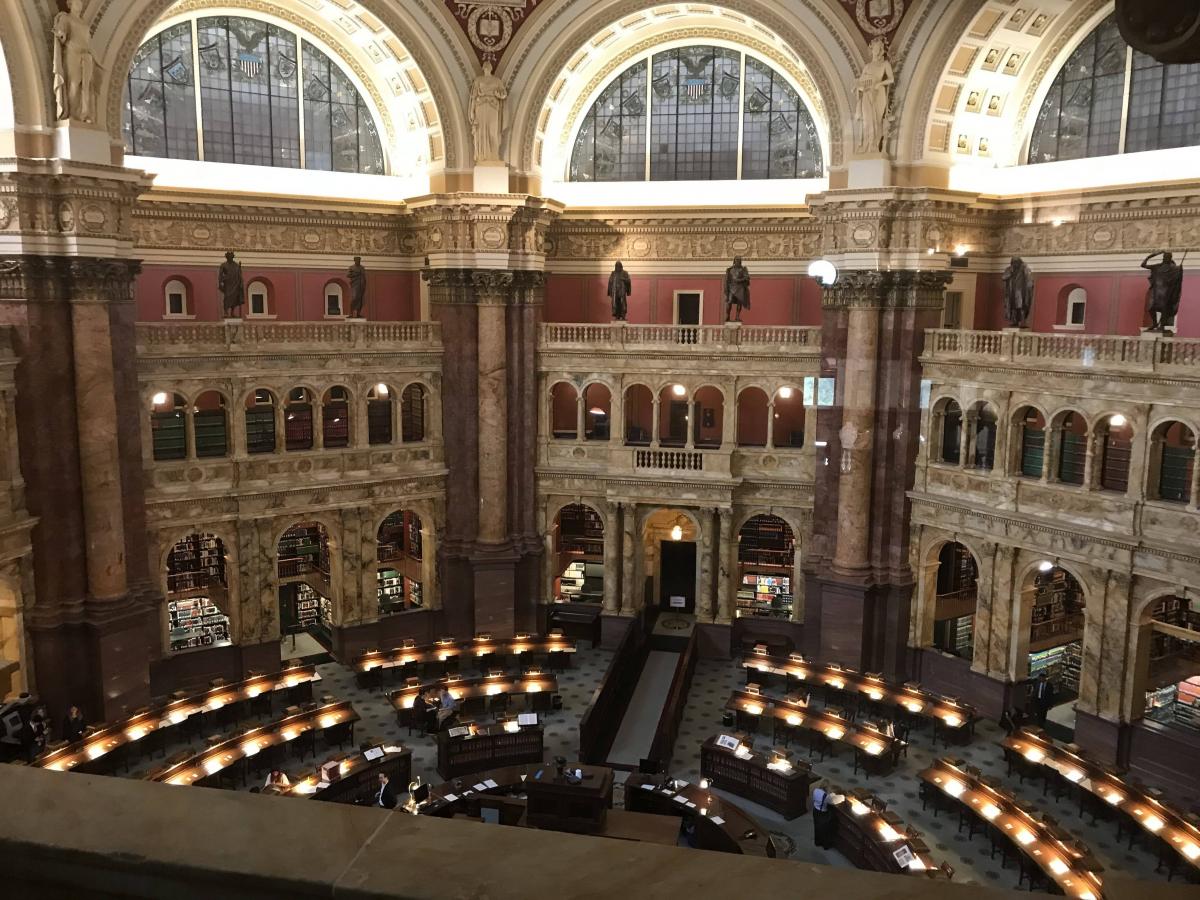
point(277, 778)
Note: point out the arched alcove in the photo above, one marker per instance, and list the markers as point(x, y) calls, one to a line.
point(197, 594)
point(400, 554)
point(766, 568)
point(577, 542)
point(303, 567)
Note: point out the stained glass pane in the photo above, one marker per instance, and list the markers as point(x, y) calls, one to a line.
point(215, 102)
point(160, 106)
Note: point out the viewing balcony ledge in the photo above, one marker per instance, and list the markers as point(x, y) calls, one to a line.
point(1146, 353)
point(731, 336)
point(788, 464)
point(159, 338)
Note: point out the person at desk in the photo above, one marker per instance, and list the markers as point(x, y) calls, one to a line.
point(277, 779)
point(386, 795)
point(1043, 698)
point(424, 711)
point(1011, 720)
point(448, 706)
point(824, 818)
point(73, 725)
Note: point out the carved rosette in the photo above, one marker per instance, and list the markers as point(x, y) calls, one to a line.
point(902, 289)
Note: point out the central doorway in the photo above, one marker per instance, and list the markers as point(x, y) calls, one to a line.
point(677, 576)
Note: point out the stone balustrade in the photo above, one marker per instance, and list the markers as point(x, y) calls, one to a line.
point(729, 337)
point(1147, 353)
point(165, 337)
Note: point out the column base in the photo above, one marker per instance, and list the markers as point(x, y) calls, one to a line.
point(851, 621)
point(494, 569)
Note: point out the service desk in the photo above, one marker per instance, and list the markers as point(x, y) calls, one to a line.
point(870, 837)
point(569, 804)
point(769, 779)
point(952, 717)
point(1175, 829)
point(1067, 863)
point(719, 824)
point(477, 650)
point(876, 751)
point(473, 748)
point(97, 751)
point(356, 776)
point(211, 762)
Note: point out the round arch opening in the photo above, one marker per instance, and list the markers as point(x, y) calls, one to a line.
point(577, 542)
point(1169, 662)
point(400, 555)
point(197, 594)
point(305, 594)
point(766, 568)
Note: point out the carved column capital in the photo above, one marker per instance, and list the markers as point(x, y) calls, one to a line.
point(900, 289)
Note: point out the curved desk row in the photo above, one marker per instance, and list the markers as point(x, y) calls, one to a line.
point(212, 761)
point(447, 650)
point(772, 780)
point(878, 750)
point(94, 752)
point(353, 777)
point(874, 839)
point(1066, 862)
point(471, 688)
point(949, 714)
point(720, 825)
point(1177, 830)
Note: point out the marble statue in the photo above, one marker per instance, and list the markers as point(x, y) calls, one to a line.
point(357, 276)
point(487, 115)
point(737, 289)
point(1018, 293)
point(231, 285)
point(1166, 289)
point(74, 65)
point(872, 90)
point(619, 287)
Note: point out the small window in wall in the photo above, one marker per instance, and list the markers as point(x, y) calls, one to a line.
point(258, 299)
point(333, 301)
point(175, 295)
point(1076, 308)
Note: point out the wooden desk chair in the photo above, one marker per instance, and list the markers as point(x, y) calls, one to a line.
point(1031, 872)
point(1001, 843)
point(474, 706)
point(947, 870)
point(783, 733)
point(544, 702)
point(558, 661)
point(818, 742)
point(341, 734)
point(932, 796)
point(233, 776)
point(305, 743)
point(748, 722)
point(299, 693)
point(972, 822)
point(497, 704)
point(485, 663)
point(370, 679)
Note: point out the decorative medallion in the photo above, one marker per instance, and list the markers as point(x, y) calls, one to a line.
point(1103, 237)
point(863, 234)
point(876, 18)
point(93, 217)
point(490, 24)
point(201, 234)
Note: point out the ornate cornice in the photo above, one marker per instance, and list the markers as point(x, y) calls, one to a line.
point(80, 279)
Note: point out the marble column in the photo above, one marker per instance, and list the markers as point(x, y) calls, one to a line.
point(704, 592)
point(857, 436)
point(1051, 445)
point(492, 288)
point(580, 417)
point(429, 550)
point(798, 583)
point(616, 417)
point(966, 443)
point(630, 548)
point(984, 607)
point(771, 425)
point(654, 426)
point(612, 552)
point(727, 567)
point(1195, 489)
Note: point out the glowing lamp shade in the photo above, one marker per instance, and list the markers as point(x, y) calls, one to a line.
point(754, 709)
point(1045, 565)
point(888, 833)
point(793, 719)
point(785, 393)
point(955, 787)
point(834, 732)
point(1033, 754)
point(512, 727)
point(953, 721)
point(1118, 421)
point(381, 389)
point(676, 533)
point(1153, 823)
point(1058, 867)
point(824, 271)
point(159, 399)
point(858, 808)
point(990, 811)
point(678, 390)
point(1025, 836)
point(1191, 851)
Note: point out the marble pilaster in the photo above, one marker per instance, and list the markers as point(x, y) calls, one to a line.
point(612, 548)
point(726, 568)
point(630, 551)
point(706, 549)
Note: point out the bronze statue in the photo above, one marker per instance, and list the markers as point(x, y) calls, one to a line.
point(737, 289)
point(1018, 293)
point(1166, 288)
point(358, 287)
point(231, 285)
point(619, 287)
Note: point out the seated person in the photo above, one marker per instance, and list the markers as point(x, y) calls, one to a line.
point(448, 706)
point(386, 795)
point(277, 779)
point(73, 725)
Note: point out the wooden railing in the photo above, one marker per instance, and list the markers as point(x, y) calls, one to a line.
point(1144, 353)
point(248, 333)
point(610, 335)
point(600, 721)
point(662, 748)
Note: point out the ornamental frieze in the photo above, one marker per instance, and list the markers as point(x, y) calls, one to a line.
point(683, 239)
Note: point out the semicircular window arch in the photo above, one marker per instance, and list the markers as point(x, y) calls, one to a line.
point(233, 89)
point(699, 113)
point(1109, 99)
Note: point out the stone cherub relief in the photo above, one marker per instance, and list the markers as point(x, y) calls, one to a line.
point(486, 115)
point(873, 90)
point(74, 64)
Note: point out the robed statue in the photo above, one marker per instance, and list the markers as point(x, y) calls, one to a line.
point(872, 90)
point(1018, 293)
point(74, 65)
point(230, 285)
point(1166, 288)
point(486, 114)
point(619, 287)
point(737, 290)
point(357, 277)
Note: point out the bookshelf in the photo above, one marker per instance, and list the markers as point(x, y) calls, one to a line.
point(1175, 474)
point(580, 530)
point(211, 436)
point(582, 582)
point(195, 564)
point(335, 425)
point(390, 585)
point(1071, 665)
point(1033, 451)
point(766, 555)
point(379, 421)
point(168, 431)
point(303, 548)
point(1114, 473)
point(298, 426)
point(1057, 616)
point(1048, 661)
point(196, 622)
point(1074, 455)
point(412, 414)
point(765, 595)
point(766, 541)
point(260, 429)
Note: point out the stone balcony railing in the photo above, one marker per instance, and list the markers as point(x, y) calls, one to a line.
point(1148, 353)
point(612, 460)
point(730, 337)
point(167, 337)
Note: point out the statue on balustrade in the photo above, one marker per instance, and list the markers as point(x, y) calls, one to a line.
point(74, 64)
point(231, 285)
point(1166, 288)
point(1018, 293)
point(619, 287)
point(737, 290)
point(357, 276)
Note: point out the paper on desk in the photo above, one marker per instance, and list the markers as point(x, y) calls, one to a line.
point(450, 798)
point(490, 783)
point(373, 754)
point(480, 787)
point(323, 784)
point(679, 799)
point(680, 783)
point(667, 791)
point(717, 820)
point(691, 805)
point(646, 787)
point(392, 748)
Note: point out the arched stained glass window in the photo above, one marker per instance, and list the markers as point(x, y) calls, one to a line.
point(251, 78)
point(1108, 99)
point(697, 113)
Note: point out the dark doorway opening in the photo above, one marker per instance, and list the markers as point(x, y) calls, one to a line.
point(677, 575)
point(687, 312)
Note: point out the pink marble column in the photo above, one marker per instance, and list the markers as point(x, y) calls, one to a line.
point(856, 438)
point(492, 290)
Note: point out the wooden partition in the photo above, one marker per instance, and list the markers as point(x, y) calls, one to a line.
point(663, 747)
point(602, 718)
